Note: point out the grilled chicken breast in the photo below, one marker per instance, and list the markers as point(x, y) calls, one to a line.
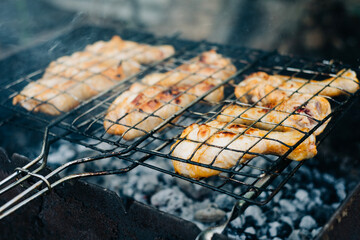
point(204, 144)
point(273, 89)
point(70, 80)
point(304, 118)
point(158, 96)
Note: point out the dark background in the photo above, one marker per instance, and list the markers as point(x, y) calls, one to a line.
point(324, 29)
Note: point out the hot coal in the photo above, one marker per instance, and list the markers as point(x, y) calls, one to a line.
point(298, 211)
point(209, 214)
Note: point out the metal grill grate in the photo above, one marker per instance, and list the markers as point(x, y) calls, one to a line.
point(84, 124)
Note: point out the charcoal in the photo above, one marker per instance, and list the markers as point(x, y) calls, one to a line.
point(273, 214)
point(250, 230)
point(100, 181)
point(287, 220)
point(64, 153)
point(306, 174)
point(128, 191)
point(295, 217)
point(169, 200)
point(295, 235)
point(256, 214)
point(284, 230)
point(250, 221)
point(317, 177)
point(287, 206)
point(316, 196)
point(273, 230)
point(340, 190)
point(148, 184)
point(315, 232)
point(237, 223)
point(335, 205)
point(308, 223)
point(140, 197)
point(277, 197)
point(192, 190)
point(305, 234)
point(287, 192)
point(328, 178)
point(238, 236)
point(302, 196)
point(225, 202)
point(328, 194)
point(250, 236)
point(209, 214)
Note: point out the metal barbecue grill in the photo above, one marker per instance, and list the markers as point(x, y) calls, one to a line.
point(84, 124)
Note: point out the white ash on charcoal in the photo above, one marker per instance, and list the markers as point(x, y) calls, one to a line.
point(210, 214)
point(299, 211)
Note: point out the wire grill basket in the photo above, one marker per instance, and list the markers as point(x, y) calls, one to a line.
point(84, 124)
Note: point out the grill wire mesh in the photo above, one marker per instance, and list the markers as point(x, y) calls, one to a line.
point(84, 124)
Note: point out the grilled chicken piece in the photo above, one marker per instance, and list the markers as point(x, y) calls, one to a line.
point(305, 118)
point(158, 96)
point(204, 144)
point(261, 87)
point(141, 108)
point(346, 81)
point(70, 80)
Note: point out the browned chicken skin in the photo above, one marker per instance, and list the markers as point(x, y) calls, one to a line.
point(72, 79)
point(158, 96)
point(204, 143)
point(273, 89)
point(346, 81)
point(277, 94)
point(304, 119)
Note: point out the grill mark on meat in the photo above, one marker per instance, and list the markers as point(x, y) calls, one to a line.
point(172, 91)
point(250, 131)
point(138, 100)
point(267, 108)
point(207, 87)
point(153, 103)
point(303, 109)
point(203, 131)
point(226, 134)
point(236, 126)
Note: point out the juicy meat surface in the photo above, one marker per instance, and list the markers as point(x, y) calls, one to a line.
point(159, 95)
point(304, 119)
point(273, 89)
point(278, 96)
point(69, 80)
point(204, 144)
